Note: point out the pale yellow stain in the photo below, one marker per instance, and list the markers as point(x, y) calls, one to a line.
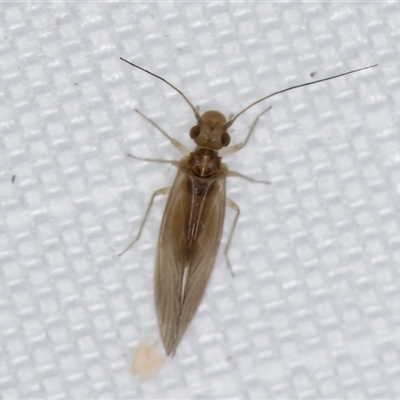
point(146, 360)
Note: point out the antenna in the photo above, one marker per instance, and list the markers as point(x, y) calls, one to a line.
point(197, 115)
point(232, 120)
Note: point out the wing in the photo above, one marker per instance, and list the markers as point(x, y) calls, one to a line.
point(188, 244)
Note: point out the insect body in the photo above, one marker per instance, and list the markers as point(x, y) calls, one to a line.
point(191, 227)
point(191, 231)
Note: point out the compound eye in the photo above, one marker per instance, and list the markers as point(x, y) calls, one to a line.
point(195, 132)
point(225, 139)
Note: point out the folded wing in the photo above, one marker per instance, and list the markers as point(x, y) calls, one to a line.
point(188, 245)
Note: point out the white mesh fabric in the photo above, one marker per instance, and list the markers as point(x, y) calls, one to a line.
point(313, 309)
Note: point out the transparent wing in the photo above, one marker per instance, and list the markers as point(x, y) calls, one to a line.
point(188, 245)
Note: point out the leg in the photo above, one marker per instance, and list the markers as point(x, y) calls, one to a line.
point(238, 174)
point(172, 162)
point(181, 147)
point(239, 146)
point(155, 194)
point(231, 204)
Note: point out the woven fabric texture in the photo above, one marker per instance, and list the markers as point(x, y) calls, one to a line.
point(313, 310)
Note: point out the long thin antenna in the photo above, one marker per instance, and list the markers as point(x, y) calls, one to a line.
point(197, 115)
point(232, 120)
